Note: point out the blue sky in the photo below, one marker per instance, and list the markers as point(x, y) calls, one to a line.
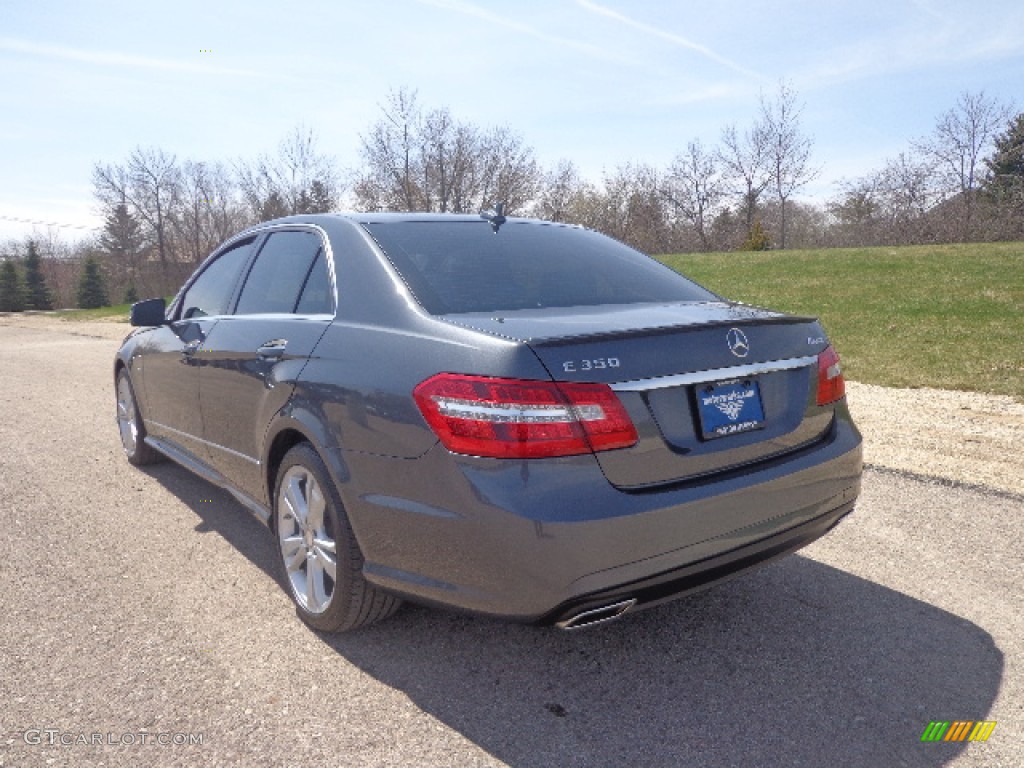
point(599, 82)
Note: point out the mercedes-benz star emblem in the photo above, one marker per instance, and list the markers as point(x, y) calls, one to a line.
point(737, 341)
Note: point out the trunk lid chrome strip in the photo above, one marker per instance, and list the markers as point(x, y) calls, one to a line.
point(714, 374)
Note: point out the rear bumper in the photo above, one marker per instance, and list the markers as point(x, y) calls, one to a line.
point(702, 574)
point(539, 540)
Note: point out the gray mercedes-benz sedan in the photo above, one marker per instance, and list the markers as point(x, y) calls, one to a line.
point(506, 416)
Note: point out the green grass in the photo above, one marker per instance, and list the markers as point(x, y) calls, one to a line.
point(114, 313)
point(946, 316)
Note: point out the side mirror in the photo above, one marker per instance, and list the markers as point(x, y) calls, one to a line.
point(149, 312)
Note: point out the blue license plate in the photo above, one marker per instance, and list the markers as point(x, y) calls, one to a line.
point(729, 407)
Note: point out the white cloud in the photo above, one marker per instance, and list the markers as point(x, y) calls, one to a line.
point(670, 37)
point(471, 9)
point(928, 39)
point(113, 58)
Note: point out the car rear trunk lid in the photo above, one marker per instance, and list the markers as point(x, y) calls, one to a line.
point(710, 386)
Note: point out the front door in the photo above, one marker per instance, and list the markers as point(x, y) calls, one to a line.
point(173, 353)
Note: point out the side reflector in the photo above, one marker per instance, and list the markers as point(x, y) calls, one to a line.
point(519, 418)
point(831, 386)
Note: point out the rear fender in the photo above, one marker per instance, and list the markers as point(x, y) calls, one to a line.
point(297, 419)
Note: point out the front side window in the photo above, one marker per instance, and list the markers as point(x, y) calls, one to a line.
point(211, 292)
point(283, 268)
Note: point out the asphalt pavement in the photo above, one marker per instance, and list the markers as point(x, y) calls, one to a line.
point(144, 624)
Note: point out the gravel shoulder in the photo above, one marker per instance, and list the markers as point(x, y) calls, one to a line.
point(965, 438)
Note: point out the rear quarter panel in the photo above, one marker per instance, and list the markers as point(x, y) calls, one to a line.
point(360, 380)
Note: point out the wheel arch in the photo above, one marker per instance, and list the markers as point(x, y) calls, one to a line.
point(292, 427)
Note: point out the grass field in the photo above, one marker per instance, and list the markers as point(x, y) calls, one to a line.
point(947, 316)
point(116, 312)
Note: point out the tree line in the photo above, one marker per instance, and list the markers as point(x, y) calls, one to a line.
point(162, 215)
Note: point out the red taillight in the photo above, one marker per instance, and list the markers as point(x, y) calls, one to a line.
point(831, 386)
point(515, 418)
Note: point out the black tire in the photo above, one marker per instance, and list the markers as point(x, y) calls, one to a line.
point(130, 425)
point(314, 542)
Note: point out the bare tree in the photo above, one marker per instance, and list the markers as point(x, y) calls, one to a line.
point(430, 161)
point(907, 193)
point(149, 185)
point(209, 210)
point(744, 159)
point(190, 221)
point(299, 179)
point(562, 195)
point(225, 211)
point(448, 163)
point(392, 173)
point(787, 149)
point(694, 188)
point(633, 209)
point(508, 171)
point(956, 146)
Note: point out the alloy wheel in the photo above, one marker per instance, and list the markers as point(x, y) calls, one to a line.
point(126, 422)
point(307, 542)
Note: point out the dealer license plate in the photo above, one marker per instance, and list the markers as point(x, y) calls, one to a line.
point(729, 407)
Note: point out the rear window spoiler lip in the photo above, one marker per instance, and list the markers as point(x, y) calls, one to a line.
point(738, 322)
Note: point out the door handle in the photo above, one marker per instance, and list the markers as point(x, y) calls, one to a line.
point(271, 349)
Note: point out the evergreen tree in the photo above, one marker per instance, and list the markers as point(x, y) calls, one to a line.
point(321, 199)
point(1007, 162)
point(92, 290)
point(123, 241)
point(12, 293)
point(273, 207)
point(37, 294)
point(1005, 183)
point(757, 239)
point(130, 294)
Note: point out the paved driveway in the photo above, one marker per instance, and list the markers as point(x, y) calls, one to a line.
point(142, 607)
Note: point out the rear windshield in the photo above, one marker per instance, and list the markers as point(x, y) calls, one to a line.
point(453, 267)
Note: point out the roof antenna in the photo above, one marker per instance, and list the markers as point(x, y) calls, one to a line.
point(496, 216)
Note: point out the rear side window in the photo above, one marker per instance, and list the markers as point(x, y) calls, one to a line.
point(211, 291)
point(454, 267)
point(316, 298)
point(280, 272)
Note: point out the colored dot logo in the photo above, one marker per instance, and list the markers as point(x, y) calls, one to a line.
point(958, 730)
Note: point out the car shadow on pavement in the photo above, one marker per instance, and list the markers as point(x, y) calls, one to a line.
point(798, 664)
point(795, 664)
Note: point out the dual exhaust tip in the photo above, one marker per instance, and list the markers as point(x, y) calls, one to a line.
point(598, 615)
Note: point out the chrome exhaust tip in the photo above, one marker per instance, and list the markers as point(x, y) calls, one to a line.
point(599, 615)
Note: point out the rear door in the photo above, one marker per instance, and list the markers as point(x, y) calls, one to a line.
point(249, 362)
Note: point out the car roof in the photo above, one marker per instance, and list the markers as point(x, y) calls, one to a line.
point(390, 217)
